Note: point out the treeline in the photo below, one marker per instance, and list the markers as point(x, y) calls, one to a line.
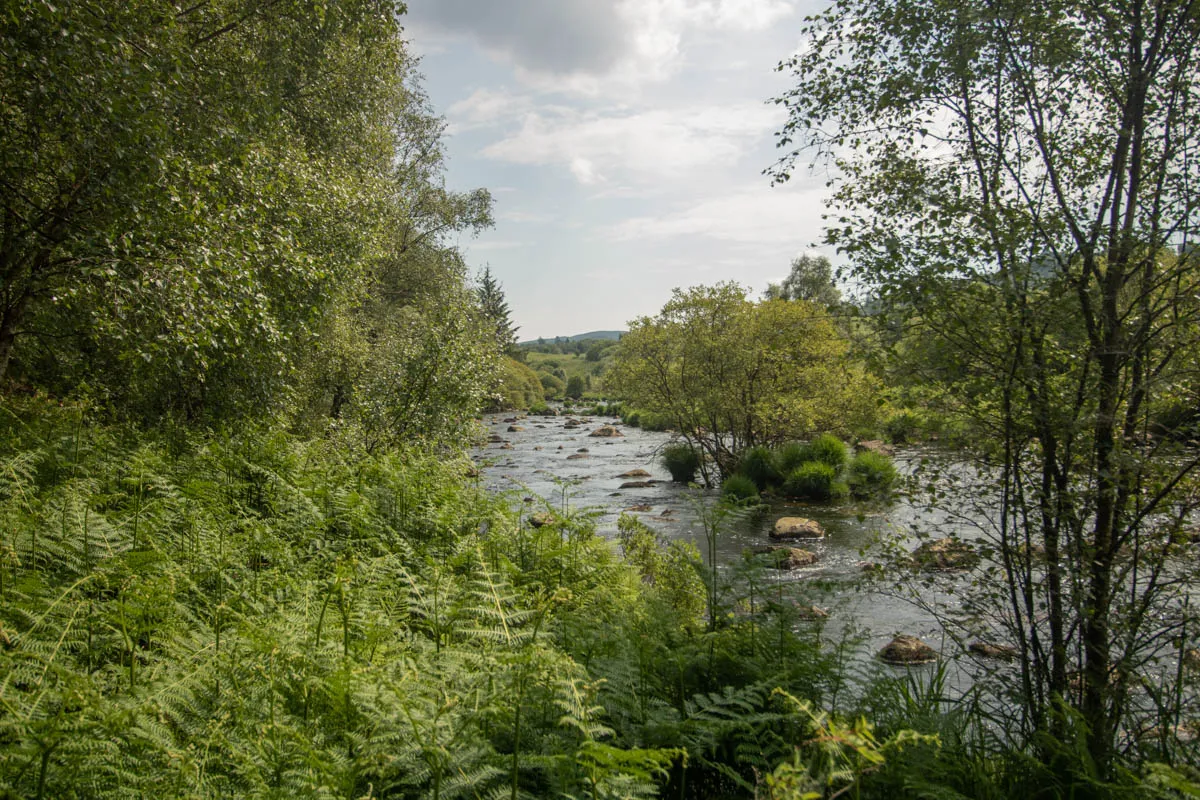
point(233, 210)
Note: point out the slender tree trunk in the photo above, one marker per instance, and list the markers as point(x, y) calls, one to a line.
point(10, 319)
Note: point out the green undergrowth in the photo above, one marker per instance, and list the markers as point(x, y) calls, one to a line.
point(253, 614)
point(190, 614)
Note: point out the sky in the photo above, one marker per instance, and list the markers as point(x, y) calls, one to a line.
point(624, 143)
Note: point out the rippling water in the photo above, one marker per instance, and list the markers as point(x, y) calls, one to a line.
point(549, 460)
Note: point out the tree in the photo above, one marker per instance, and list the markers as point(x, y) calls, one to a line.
point(730, 373)
point(1019, 180)
point(811, 279)
point(575, 387)
point(186, 190)
point(495, 309)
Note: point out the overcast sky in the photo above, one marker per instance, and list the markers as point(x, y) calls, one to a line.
point(624, 143)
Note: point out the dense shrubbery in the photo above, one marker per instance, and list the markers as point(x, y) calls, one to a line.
point(646, 420)
point(828, 449)
point(814, 481)
point(870, 473)
point(518, 387)
point(553, 386)
point(758, 464)
point(817, 471)
point(257, 615)
point(738, 488)
point(681, 461)
point(790, 456)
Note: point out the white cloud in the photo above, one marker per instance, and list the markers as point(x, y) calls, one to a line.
point(487, 107)
point(645, 146)
point(754, 215)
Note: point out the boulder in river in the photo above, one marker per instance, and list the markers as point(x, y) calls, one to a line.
point(1004, 652)
point(606, 432)
point(643, 507)
point(515, 429)
point(945, 555)
point(635, 473)
point(635, 485)
point(874, 446)
point(797, 528)
point(496, 439)
point(787, 558)
point(576, 456)
point(907, 650)
point(542, 519)
point(811, 613)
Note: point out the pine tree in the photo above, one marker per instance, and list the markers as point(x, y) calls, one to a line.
point(495, 308)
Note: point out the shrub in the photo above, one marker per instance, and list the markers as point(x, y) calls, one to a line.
point(904, 426)
point(790, 456)
point(738, 488)
point(575, 387)
point(552, 386)
point(871, 473)
point(654, 421)
point(814, 481)
point(757, 464)
point(681, 461)
point(632, 417)
point(828, 449)
point(517, 386)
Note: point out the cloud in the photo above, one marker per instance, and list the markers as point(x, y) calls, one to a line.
point(644, 146)
point(593, 47)
point(556, 36)
point(754, 215)
point(486, 107)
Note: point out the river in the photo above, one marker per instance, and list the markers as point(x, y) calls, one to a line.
point(546, 460)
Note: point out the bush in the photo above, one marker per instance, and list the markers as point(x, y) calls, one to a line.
point(814, 481)
point(632, 417)
point(681, 461)
point(517, 387)
point(575, 387)
point(653, 421)
point(552, 386)
point(757, 464)
point(828, 449)
point(871, 473)
point(902, 427)
point(738, 488)
point(791, 456)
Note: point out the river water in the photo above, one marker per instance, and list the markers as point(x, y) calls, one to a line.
point(549, 461)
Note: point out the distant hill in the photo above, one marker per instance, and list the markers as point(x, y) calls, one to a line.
point(614, 335)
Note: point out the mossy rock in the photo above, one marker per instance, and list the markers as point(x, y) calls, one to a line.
point(1003, 652)
point(945, 555)
point(906, 651)
point(606, 432)
point(787, 558)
